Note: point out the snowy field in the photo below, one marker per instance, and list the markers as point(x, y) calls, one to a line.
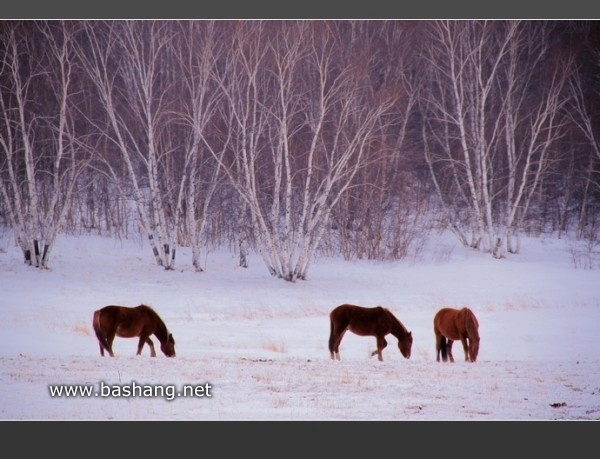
point(254, 347)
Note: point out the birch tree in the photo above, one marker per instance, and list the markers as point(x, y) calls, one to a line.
point(581, 114)
point(532, 124)
point(493, 121)
point(303, 123)
point(40, 155)
point(379, 217)
point(200, 47)
point(124, 60)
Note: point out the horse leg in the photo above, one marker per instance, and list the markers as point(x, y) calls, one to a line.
point(439, 343)
point(337, 342)
point(145, 339)
point(466, 349)
point(442, 347)
point(105, 343)
point(151, 344)
point(449, 350)
point(381, 344)
point(109, 339)
point(333, 339)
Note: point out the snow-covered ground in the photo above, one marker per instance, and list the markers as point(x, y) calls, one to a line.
point(254, 347)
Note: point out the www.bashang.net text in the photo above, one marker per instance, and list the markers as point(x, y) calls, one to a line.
point(167, 391)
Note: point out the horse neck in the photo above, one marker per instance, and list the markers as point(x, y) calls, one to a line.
point(398, 329)
point(472, 326)
point(161, 331)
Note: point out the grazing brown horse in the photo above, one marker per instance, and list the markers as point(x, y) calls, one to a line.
point(451, 325)
point(363, 321)
point(126, 322)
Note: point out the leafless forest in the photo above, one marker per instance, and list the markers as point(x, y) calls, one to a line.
point(297, 138)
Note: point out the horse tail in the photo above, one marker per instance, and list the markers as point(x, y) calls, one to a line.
point(100, 334)
point(444, 348)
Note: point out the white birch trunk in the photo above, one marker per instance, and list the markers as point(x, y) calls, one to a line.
point(140, 55)
point(290, 230)
point(36, 227)
point(478, 62)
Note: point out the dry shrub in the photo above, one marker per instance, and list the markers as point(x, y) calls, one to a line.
point(280, 347)
point(81, 329)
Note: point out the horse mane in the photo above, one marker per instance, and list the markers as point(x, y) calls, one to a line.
point(471, 323)
point(398, 327)
point(162, 326)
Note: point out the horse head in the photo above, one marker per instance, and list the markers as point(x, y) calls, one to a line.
point(473, 348)
point(168, 347)
point(405, 345)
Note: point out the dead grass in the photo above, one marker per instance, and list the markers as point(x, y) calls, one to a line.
point(273, 346)
point(81, 329)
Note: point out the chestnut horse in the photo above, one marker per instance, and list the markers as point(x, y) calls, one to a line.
point(451, 325)
point(364, 321)
point(140, 321)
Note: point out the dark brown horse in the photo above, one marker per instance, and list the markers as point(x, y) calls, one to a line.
point(363, 321)
point(451, 325)
point(140, 321)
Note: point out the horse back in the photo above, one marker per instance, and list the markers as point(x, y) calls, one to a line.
point(106, 318)
point(445, 323)
point(361, 320)
point(125, 321)
point(350, 311)
point(454, 323)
